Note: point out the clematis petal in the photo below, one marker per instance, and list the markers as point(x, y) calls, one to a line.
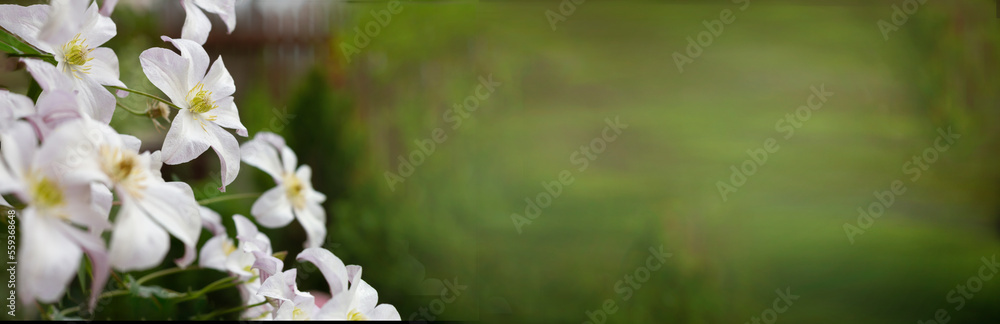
point(228, 150)
point(196, 24)
point(47, 75)
point(365, 297)
point(184, 140)
point(213, 253)
point(66, 18)
point(26, 23)
point(14, 106)
point(227, 116)
point(172, 205)
point(313, 220)
point(20, 145)
point(267, 265)
point(384, 312)
point(104, 67)
point(212, 221)
point(97, 29)
point(246, 231)
point(193, 53)
point(259, 153)
point(53, 262)
point(93, 246)
point(279, 286)
point(289, 160)
point(101, 200)
point(168, 72)
point(218, 80)
point(137, 243)
point(273, 209)
point(93, 95)
point(226, 9)
point(108, 7)
point(81, 208)
point(54, 108)
point(329, 265)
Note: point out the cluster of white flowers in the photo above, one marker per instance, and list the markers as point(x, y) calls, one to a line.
point(68, 168)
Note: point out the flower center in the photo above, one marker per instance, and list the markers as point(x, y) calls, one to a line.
point(45, 193)
point(298, 314)
point(294, 189)
point(354, 315)
point(228, 247)
point(123, 168)
point(76, 54)
point(201, 99)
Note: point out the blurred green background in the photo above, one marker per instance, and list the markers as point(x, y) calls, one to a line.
point(656, 185)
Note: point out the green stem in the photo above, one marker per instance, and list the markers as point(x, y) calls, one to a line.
point(220, 284)
point(168, 102)
point(226, 311)
point(162, 273)
point(229, 197)
point(139, 113)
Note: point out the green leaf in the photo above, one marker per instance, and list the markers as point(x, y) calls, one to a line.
point(13, 45)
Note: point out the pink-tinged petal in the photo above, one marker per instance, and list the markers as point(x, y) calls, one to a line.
point(353, 273)
point(137, 243)
point(95, 100)
point(108, 7)
point(196, 24)
point(93, 246)
point(97, 29)
point(267, 265)
point(336, 308)
point(279, 286)
point(185, 140)
point(26, 23)
point(213, 253)
point(47, 75)
point(104, 67)
point(384, 312)
point(228, 150)
point(240, 262)
point(226, 9)
point(50, 258)
point(313, 221)
point(66, 19)
point(130, 142)
point(168, 72)
point(329, 265)
point(219, 81)
point(227, 116)
point(211, 221)
point(155, 163)
point(54, 108)
point(172, 205)
point(272, 209)
point(259, 153)
point(194, 53)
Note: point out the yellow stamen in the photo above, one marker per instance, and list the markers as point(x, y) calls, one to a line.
point(201, 99)
point(354, 315)
point(77, 55)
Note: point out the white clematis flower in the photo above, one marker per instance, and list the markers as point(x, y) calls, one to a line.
point(197, 26)
point(50, 237)
point(73, 34)
point(221, 254)
point(151, 208)
point(356, 302)
point(206, 104)
point(294, 196)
